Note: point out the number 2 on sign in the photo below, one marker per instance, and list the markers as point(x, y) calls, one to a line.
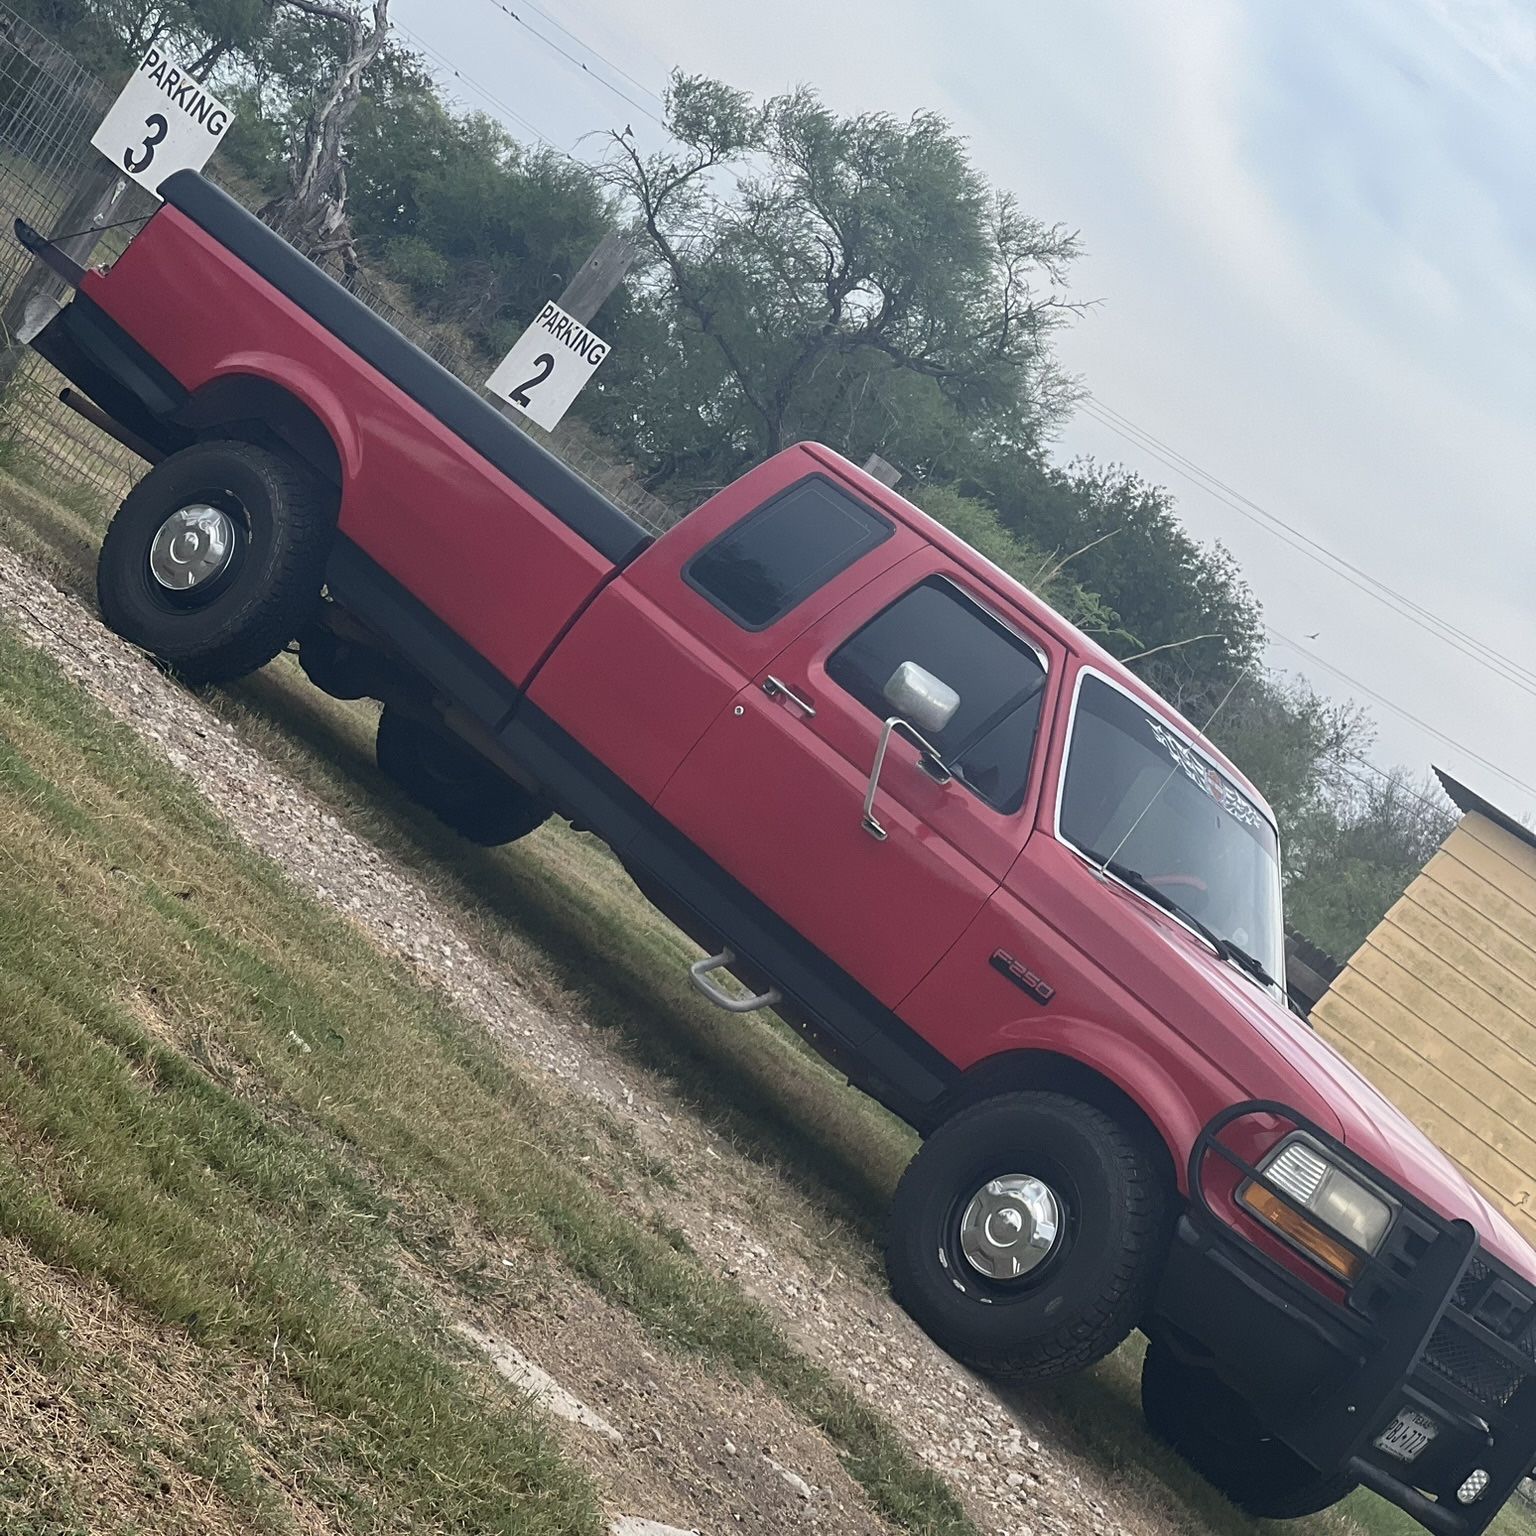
point(546, 366)
point(158, 128)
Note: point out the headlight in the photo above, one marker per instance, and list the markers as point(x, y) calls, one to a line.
point(1338, 1203)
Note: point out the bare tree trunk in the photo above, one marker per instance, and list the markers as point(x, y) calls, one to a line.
point(312, 213)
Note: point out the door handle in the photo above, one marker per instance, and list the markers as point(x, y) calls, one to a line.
point(776, 689)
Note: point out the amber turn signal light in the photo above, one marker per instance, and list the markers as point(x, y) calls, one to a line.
point(1274, 1212)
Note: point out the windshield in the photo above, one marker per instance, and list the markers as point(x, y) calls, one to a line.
point(1138, 792)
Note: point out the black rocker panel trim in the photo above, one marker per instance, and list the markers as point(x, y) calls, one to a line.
point(362, 586)
point(567, 496)
point(905, 1072)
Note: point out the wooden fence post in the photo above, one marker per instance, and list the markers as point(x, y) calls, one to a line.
point(78, 230)
point(587, 292)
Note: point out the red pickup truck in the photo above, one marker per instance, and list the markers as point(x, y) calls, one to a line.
point(1000, 883)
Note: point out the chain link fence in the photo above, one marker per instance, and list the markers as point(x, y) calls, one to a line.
point(49, 108)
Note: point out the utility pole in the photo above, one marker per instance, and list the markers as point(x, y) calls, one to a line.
point(600, 274)
point(595, 280)
point(78, 230)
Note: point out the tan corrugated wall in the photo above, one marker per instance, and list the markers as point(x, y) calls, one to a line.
point(1438, 1009)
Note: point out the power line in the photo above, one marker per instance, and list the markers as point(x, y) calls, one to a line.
point(1400, 603)
point(1425, 811)
point(490, 96)
point(1397, 709)
point(1121, 423)
point(581, 64)
point(639, 85)
point(1401, 786)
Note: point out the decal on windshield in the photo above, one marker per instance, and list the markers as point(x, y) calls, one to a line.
point(1200, 773)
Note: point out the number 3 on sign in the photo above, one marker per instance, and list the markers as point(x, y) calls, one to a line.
point(158, 128)
point(165, 121)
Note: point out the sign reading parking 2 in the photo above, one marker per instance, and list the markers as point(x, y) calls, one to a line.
point(550, 365)
point(164, 122)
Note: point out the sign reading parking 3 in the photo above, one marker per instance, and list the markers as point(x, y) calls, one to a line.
point(164, 122)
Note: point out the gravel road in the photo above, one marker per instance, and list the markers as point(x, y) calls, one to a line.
point(749, 1222)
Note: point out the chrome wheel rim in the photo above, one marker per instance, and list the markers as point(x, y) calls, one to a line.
point(192, 547)
point(1011, 1226)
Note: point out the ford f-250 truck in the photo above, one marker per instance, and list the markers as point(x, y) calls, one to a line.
point(1000, 883)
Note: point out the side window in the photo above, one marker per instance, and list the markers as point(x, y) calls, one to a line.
point(775, 557)
point(999, 677)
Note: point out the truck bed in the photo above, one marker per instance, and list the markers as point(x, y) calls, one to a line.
point(209, 316)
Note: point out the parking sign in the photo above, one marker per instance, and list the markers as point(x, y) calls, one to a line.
point(165, 121)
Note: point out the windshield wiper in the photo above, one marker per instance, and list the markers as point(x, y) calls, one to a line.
point(1224, 947)
point(1249, 963)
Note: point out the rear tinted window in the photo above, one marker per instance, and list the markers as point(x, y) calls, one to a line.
point(775, 557)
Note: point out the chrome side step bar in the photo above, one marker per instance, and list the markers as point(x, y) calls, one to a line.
point(699, 974)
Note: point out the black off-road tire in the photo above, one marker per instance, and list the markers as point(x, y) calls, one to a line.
point(449, 778)
point(1210, 1426)
point(285, 521)
point(1095, 1285)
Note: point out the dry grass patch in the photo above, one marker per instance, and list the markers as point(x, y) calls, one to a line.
point(544, 910)
point(221, 1083)
point(109, 1422)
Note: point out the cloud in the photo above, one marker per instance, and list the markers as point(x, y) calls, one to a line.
point(1500, 35)
point(1311, 227)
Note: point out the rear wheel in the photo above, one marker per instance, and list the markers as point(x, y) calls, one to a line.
point(216, 559)
point(1216, 1432)
point(453, 781)
point(1027, 1235)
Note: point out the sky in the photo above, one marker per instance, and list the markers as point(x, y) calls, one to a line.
point(1310, 239)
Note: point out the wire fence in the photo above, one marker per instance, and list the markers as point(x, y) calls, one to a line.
point(49, 108)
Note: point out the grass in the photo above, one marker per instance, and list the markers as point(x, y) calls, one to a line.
point(204, 1108)
point(545, 908)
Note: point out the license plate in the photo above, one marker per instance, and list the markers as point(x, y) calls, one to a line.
point(1407, 1435)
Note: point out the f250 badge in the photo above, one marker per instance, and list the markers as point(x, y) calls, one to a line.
point(1021, 976)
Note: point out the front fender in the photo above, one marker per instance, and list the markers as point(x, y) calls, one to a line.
point(1059, 1049)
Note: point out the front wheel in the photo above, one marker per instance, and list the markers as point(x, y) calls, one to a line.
point(216, 558)
point(1216, 1432)
point(1027, 1235)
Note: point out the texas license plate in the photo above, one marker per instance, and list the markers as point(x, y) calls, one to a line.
point(1407, 1435)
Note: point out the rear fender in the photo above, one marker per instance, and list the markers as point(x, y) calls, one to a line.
point(243, 372)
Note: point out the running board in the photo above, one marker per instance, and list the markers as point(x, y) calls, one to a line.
point(699, 974)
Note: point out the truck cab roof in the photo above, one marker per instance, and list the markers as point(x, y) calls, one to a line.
point(1012, 593)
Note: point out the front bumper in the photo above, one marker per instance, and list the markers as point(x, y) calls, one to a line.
point(1434, 1326)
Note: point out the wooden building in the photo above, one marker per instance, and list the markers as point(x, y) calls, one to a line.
point(1438, 1006)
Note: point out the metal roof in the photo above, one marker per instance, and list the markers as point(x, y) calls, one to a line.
point(1466, 800)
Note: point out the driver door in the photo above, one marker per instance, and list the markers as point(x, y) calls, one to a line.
point(775, 789)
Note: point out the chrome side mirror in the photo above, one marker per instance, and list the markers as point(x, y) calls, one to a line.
point(917, 695)
point(931, 702)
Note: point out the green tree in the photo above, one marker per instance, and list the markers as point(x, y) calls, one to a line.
point(850, 279)
point(109, 36)
point(977, 523)
point(1187, 621)
point(480, 229)
point(1351, 858)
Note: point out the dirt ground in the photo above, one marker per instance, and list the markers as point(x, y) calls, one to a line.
point(697, 1451)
